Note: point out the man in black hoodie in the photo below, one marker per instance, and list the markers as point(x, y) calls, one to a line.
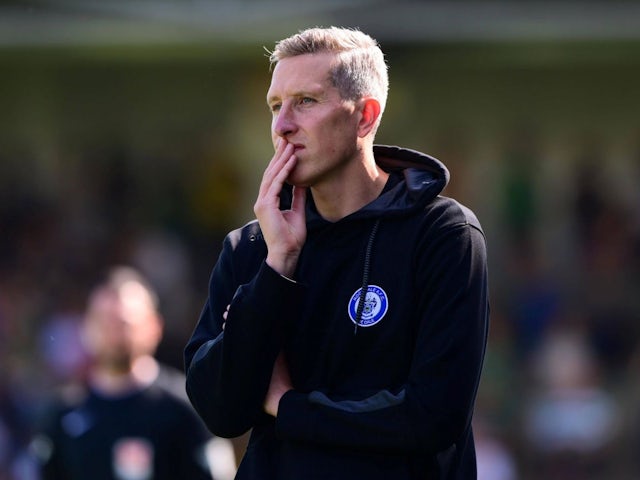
point(346, 326)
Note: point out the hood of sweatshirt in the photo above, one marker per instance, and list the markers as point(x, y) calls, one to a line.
point(421, 179)
point(416, 179)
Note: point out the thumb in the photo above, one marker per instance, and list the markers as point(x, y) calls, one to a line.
point(299, 199)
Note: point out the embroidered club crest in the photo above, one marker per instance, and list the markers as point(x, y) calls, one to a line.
point(375, 306)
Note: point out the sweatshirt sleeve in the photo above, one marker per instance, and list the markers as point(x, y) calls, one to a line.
point(228, 371)
point(432, 410)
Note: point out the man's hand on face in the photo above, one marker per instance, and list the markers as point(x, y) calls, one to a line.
point(284, 231)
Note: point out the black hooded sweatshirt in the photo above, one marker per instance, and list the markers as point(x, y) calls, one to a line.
point(384, 383)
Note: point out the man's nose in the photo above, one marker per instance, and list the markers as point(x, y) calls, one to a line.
point(284, 123)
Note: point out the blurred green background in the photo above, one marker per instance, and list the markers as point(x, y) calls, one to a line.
point(136, 132)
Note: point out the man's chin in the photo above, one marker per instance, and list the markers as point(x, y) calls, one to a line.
point(296, 181)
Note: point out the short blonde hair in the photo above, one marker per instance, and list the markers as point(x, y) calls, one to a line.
point(360, 69)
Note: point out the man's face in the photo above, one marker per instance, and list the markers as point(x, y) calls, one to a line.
point(309, 113)
point(121, 326)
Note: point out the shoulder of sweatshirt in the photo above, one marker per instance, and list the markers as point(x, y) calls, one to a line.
point(444, 213)
point(243, 251)
point(248, 233)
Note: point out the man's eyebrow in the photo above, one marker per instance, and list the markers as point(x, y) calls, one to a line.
point(311, 91)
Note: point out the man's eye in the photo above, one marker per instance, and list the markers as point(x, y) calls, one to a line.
point(307, 100)
point(275, 107)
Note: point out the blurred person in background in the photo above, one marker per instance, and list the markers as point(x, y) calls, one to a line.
point(572, 423)
point(348, 329)
point(133, 420)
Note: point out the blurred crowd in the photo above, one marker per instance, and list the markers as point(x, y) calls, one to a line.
point(559, 397)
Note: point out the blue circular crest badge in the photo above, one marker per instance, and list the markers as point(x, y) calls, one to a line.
point(375, 306)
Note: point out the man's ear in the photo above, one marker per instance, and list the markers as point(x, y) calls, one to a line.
point(369, 116)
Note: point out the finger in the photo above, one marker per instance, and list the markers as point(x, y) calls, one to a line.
point(271, 186)
point(282, 175)
point(277, 163)
point(280, 155)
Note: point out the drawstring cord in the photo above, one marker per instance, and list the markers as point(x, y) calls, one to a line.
point(365, 275)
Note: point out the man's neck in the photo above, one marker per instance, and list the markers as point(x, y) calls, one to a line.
point(359, 184)
point(115, 382)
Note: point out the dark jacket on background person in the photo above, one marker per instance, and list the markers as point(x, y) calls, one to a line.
point(384, 387)
point(150, 433)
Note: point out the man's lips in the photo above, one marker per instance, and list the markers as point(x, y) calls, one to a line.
point(297, 147)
